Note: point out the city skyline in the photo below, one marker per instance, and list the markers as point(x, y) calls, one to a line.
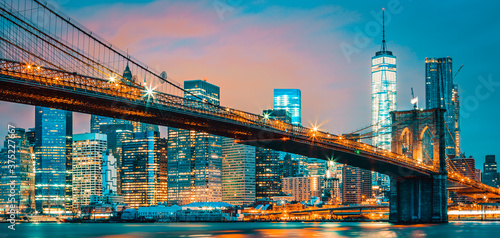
point(258, 112)
point(342, 118)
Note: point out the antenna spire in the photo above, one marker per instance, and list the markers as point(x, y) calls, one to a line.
point(384, 47)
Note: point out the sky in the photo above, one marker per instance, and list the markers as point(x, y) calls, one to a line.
point(324, 48)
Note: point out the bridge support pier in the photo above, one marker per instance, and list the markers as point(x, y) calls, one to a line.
point(418, 200)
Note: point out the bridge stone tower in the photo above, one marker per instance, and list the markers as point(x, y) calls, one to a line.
point(416, 199)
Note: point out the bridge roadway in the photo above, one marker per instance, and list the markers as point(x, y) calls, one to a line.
point(38, 85)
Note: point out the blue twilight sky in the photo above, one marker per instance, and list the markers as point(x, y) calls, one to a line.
point(248, 48)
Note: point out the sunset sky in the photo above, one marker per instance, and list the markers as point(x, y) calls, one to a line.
point(248, 48)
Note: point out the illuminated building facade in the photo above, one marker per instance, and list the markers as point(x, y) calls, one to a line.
point(195, 158)
point(116, 134)
point(490, 174)
point(23, 175)
point(88, 152)
point(384, 98)
point(356, 185)
point(53, 177)
point(144, 171)
point(289, 100)
point(269, 169)
point(465, 166)
point(441, 92)
point(316, 167)
point(238, 173)
point(302, 188)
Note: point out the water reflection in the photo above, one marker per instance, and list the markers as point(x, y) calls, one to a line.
point(251, 230)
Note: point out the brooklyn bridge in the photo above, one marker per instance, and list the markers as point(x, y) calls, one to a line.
point(48, 59)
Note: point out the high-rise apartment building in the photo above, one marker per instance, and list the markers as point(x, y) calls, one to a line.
point(356, 185)
point(238, 173)
point(302, 188)
point(53, 165)
point(88, 150)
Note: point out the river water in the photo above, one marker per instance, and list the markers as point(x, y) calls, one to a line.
point(253, 229)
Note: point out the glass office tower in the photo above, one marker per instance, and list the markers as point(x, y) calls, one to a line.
point(22, 175)
point(290, 100)
point(144, 180)
point(441, 92)
point(238, 173)
point(53, 177)
point(195, 158)
point(384, 97)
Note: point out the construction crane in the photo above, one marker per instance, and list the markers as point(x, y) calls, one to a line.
point(461, 66)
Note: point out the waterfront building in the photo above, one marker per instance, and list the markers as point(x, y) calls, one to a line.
point(195, 158)
point(53, 163)
point(144, 172)
point(356, 185)
point(88, 149)
point(302, 188)
point(238, 173)
point(17, 172)
point(441, 92)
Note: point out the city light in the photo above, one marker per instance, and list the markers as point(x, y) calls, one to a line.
point(149, 91)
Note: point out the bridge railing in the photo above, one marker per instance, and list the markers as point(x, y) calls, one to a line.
point(140, 95)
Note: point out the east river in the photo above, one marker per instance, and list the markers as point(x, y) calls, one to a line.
point(253, 229)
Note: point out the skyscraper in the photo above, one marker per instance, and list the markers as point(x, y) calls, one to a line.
point(384, 98)
point(269, 169)
point(238, 173)
point(88, 149)
point(383, 95)
point(195, 158)
point(116, 134)
point(53, 177)
point(357, 185)
point(490, 174)
point(144, 180)
point(441, 92)
point(22, 175)
point(290, 100)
